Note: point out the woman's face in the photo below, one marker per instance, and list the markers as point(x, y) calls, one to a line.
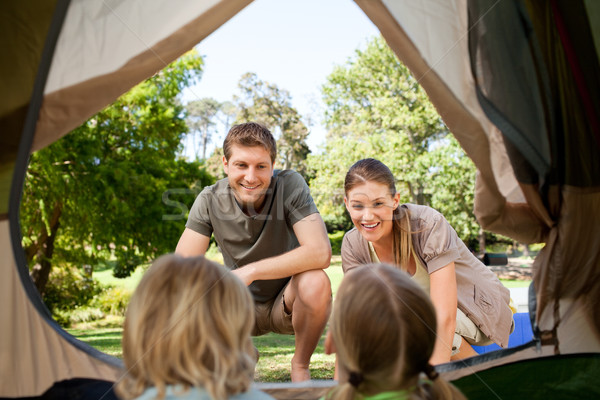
point(371, 207)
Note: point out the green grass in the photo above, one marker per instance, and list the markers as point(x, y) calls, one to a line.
point(515, 284)
point(275, 357)
point(106, 278)
point(105, 339)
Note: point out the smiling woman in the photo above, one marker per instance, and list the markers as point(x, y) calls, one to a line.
point(419, 240)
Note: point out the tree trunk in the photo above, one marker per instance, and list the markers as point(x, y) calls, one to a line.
point(525, 249)
point(204, 144)
point(45, 249)
point(481, 241)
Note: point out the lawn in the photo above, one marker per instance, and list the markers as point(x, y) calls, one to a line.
point(276, 351)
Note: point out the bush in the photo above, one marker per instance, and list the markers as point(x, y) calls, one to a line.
point(85, 314)
point(68, 289)
point(112, 300)
point(336, 242)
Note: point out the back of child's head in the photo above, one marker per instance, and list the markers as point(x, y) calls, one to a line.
point(384, 329)
point(188, 323)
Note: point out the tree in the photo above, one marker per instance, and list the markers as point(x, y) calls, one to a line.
point(113, 188)
point(265, 103)
point(227, 114)
point(214, 164)
point(375, 108)
point(201, 116)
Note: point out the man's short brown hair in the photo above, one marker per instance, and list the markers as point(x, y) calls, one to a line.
point(250, 134)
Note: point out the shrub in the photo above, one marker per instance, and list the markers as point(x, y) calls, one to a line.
point(112, 300)
point(68, 289)
point(85, 314)
point(336, 242)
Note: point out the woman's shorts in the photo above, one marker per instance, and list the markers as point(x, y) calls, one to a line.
point(465, 328)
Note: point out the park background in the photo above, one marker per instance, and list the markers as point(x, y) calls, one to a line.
point(100, 204)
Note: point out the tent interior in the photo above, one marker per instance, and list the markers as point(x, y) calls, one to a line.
point(516, 82)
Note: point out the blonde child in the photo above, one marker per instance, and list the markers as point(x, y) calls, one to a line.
point(187, 334)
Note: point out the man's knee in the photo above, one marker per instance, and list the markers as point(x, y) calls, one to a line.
point(313, 288)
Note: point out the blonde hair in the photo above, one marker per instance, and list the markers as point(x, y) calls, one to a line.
point(372, 170)
point(384, 330)
point(188, 323)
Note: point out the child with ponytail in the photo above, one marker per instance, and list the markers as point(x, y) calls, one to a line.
point(383, 329)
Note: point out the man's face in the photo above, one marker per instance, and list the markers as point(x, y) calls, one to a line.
point(249, 170)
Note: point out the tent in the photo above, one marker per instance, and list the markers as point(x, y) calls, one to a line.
point(516, 82)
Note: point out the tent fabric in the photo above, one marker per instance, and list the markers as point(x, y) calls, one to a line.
point(34, 353)
point(458, 106)
point(492, 68)
point(536, 379)
point(540, 95)
point(23, 31)
point(75, 91)
point(517, 83)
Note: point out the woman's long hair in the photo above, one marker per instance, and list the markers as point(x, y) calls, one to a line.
point(188, 323)
point(384, 330)
point(372, 170)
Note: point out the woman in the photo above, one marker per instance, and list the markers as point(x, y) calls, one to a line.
point(383, 330)
point(472, 305)
point(187, 334)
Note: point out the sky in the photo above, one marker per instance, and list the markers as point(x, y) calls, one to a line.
point(294, 44)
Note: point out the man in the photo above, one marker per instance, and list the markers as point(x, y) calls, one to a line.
point(271, 236)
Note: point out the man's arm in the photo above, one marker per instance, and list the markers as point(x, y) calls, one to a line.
point(192, 243)
point(314, 252)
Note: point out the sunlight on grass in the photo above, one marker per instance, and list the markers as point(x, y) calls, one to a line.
point(275, 357)
point(515, 284)
point(107, 340)
point(105, 277)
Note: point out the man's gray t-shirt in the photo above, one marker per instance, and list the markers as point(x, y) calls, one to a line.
point(244, 239)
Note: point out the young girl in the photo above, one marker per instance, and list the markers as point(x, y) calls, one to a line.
point(383, 330)
point(472, 305)
point(187, 334)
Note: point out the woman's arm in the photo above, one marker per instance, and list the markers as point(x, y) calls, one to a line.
point(442, 289)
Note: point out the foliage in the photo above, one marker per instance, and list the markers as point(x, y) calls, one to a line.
point(82, 314)
point(200, 119)
point(69, 289)
point(214, 164)
point(375, 108)
point(335, 239)
point(269, 105)
point(114, 188)
point(112, 300)
point(205, 118)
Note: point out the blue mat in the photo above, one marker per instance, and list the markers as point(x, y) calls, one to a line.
point(522, 334)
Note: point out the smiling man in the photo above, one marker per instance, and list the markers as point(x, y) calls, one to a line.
point(271, 236)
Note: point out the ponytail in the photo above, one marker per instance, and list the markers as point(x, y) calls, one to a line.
point(438, 389)
point(343, 391)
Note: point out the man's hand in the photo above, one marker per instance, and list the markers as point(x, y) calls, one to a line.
point(245, 274)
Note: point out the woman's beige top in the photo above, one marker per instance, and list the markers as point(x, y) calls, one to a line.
point(421, 277)
point(480, 295)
